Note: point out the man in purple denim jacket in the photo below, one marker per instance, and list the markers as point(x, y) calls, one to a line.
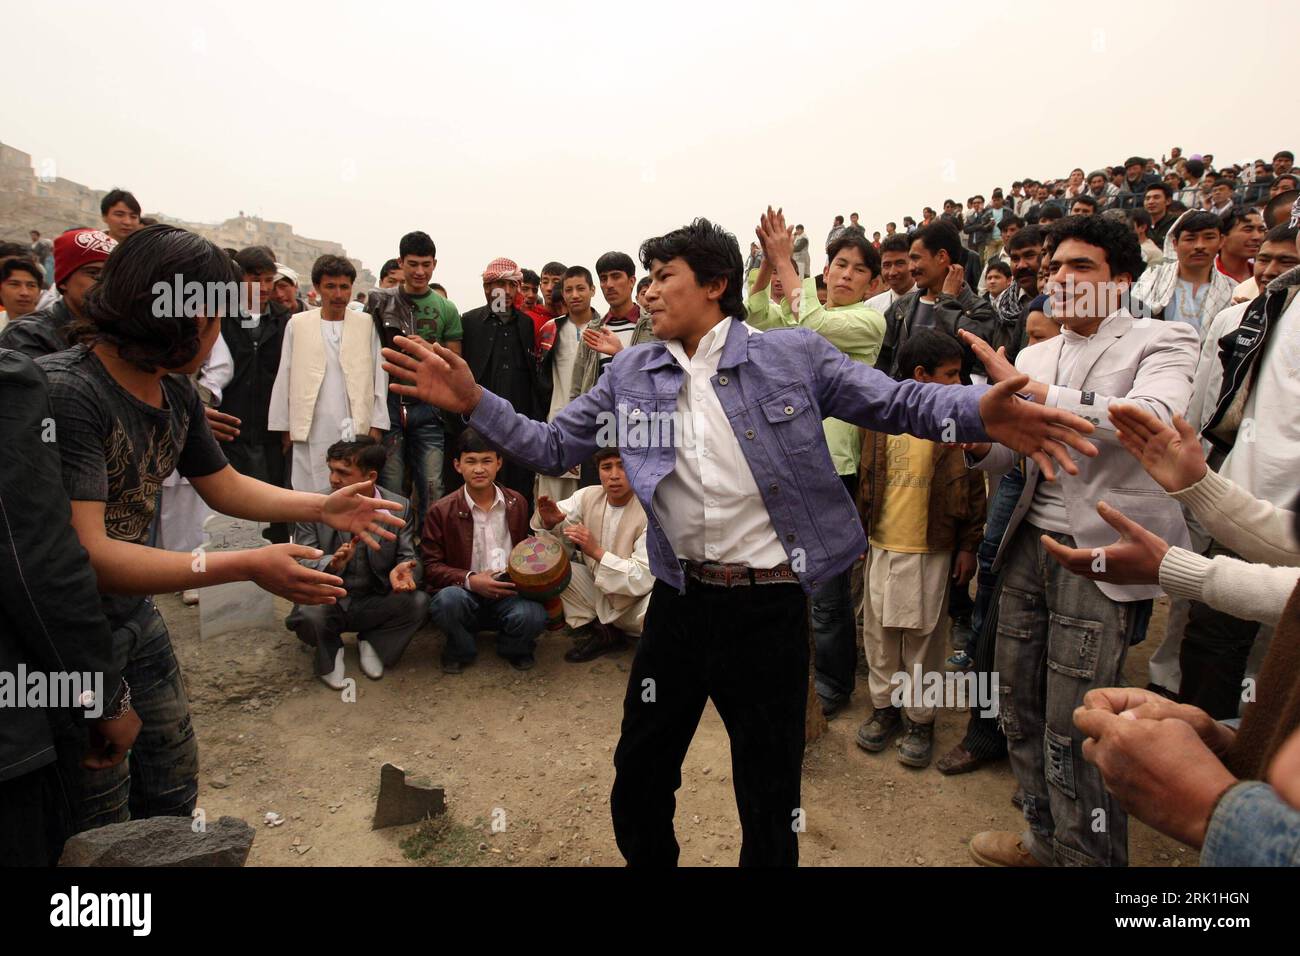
point(720, 431)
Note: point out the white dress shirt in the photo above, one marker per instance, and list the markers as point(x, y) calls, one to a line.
point(708, 505)
point(491, 535)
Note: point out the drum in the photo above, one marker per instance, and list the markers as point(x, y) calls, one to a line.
point(540, 569)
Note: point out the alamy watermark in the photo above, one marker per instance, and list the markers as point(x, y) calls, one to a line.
point(60, 690)
point(946, 689)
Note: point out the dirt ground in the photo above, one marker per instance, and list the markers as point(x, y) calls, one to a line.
point(533, 753)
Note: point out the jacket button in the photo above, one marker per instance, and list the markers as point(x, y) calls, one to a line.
point(790, 536)
point(772, 487)
point(789, 409)
point(749, 433)
point(722, 380)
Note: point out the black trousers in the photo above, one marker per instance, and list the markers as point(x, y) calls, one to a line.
point(266, 461)
point(1213, 656)
point(746, 649)
point(835, 633)
point(35, 817)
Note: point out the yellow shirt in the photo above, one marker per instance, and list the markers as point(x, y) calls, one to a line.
point(905, 510)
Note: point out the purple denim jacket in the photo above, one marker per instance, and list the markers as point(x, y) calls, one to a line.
point(776, 387)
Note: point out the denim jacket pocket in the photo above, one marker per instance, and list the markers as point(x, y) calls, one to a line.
point(793, 419)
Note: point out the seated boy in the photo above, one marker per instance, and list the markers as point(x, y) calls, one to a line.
point(923, 512)
point(605, 525)
point(465, 544)
point(383, 604)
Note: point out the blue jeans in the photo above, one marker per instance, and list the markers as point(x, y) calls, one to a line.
point(459, 613)
point(161, 775)
point(421, 445)
point(1001, 505)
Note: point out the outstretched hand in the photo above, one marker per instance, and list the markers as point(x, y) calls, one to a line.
point(432, 373)
point(1039, 432)
point(1134, 559)
point(1171, 456)
point(354, 508)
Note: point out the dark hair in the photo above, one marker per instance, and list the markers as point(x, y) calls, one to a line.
point(1011, 222)
point(332, 266)
point(21, 264)
point(363, 451)
point(553, 268)
point(1278, 210)
point(1161, 187)
point(616, 262)
point(439, 288)
point(710, 251)
point(940, 236)
point(1115, 239)
point(1086, 200)
point(121, 308)
point(1029, 236)
point(859, 242)
point(641, 283)
point(839, 220)
point(1284, 154)
point(1196, 222)
point(895, 243)
point(416, 244)
point(1134, 161)
point(472, 443)
point(928, 348)
point(1294, 177)
point(609, 451)
point(1140, 217)
point(1282, 233)
point(255, 259)
point(115, 196)
point(820, 281)
point(1195, 168)
point(1235, 217)
point(1051, 212)
point(579, 272)
point(529, 277)
point(21, 250)
point(386, 268)
point(998, 265)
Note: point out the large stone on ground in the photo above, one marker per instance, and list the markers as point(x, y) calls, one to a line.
point(161, 841)
point(405, 801)
point(239, 605)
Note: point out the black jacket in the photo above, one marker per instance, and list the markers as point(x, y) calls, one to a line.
point(255, 348)
point(51, 618)
point(41, 333)
point(966, 310)
point(476, 349)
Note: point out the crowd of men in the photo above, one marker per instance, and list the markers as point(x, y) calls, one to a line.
point(929, 448)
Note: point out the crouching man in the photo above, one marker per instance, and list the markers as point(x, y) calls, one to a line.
point(384, 604)
point(465, 544)
point(604, 526)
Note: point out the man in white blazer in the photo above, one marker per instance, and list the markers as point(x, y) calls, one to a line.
point(1060, 635)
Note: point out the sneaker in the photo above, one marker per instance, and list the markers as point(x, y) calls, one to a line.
point(961, 661)
point(371, 665)
point(962, 634)
point(1000, 848)
point(917, 743)
point(523, 662)
point(450, 666)
point(875, 734)
point(593, 641)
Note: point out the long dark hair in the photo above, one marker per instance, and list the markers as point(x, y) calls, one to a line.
point(125, 309)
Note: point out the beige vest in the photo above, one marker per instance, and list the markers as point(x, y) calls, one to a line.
point(307, 369)
point(630, 528)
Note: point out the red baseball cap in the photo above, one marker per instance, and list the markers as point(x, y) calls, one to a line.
point(78, 247)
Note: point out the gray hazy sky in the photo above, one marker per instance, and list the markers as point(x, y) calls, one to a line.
point(560, 130)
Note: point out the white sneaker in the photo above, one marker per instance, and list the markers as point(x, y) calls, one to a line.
point(334, 678)
point(190, 597)
point(371, 665)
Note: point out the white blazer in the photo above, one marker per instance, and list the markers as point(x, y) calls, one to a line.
point(1146, 362)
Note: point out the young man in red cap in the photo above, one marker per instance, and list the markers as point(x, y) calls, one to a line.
point(79, 256)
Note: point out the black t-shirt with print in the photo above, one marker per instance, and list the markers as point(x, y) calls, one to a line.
point(117, 449)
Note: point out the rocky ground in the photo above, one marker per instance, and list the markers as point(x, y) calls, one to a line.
point(527, 763)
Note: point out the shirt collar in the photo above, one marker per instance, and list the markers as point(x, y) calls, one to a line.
point(499, 500)
point(710, 342)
